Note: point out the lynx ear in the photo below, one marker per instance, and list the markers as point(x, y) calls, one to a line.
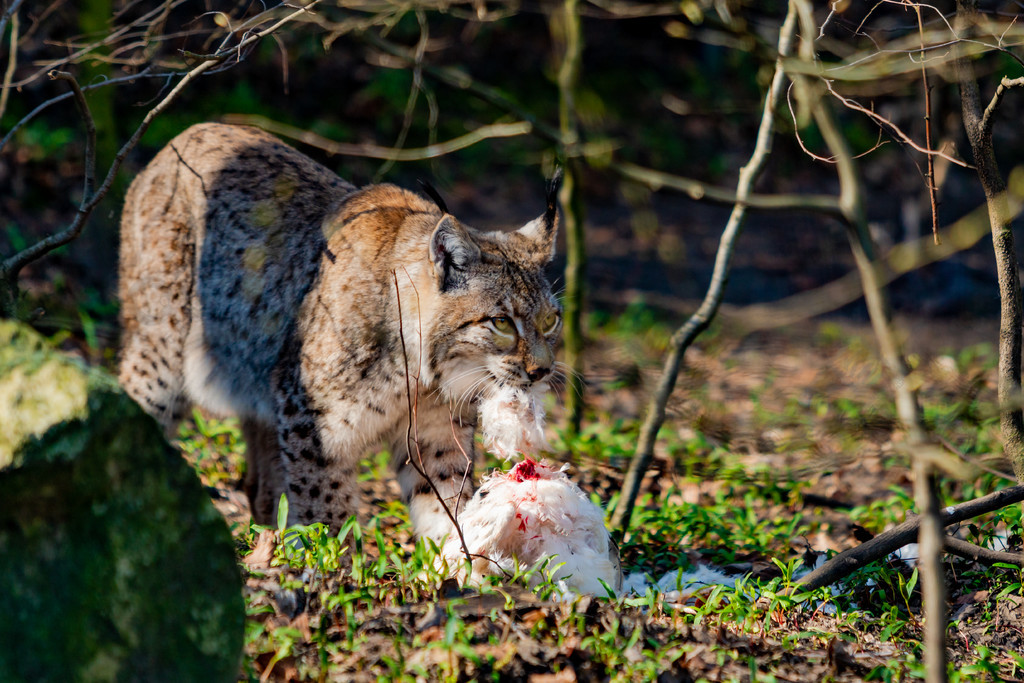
point(452, 251)
point(540, 232)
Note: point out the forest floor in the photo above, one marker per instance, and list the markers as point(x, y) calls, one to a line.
point(779, 445)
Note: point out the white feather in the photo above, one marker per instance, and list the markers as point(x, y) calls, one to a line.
point(512, 421)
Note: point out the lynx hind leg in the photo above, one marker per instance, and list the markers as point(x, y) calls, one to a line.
point(151, 373)
point(155, 282)
point(445, 455)
point(264, 474)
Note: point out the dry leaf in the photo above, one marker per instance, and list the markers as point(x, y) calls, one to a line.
point(566, 675)
point(263, 552)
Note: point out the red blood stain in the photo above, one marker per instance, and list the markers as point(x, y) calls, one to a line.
point(527, 469)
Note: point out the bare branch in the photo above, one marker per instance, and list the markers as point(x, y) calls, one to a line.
point(12, 60)
point(89, 182)
point(68, 95)
point(1011, 312)
point(849, 561)
point(11, 11)
point(973, 462)
point(414, 93)
point(77, 54)
point(851, 199)
point(410, 440)
point(930, 175)
point(496, 130)
point(997, 97)
point(901, 259)
point(894, 129)
point(463, 81)
point(12, 266)
point(701, 191)
point(897, 58)
point(569, 37)
point(970, 551)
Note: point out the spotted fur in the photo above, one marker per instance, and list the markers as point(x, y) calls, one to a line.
point(255, 282)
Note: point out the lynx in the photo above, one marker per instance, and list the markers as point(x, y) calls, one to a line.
point(255, 282)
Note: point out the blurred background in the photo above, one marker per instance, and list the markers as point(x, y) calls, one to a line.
point(676, 87)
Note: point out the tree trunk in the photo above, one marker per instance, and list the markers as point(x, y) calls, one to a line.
point(566, 30)
point(1011, 421)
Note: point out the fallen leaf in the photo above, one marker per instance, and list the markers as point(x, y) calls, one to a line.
point(534, 616)
point(263, 552)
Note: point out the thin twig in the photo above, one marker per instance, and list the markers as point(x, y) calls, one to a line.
point(700, 191)
point(78, 54)
point(410, 440)
point(89, 181)
point(27, 118)
point(12, 60)
point(930, 175)
point(462, 81)
point(12, 266)
point(414, 93)
point(973, 461)
point(495, 130)
point(997, 97)
point(896, 130)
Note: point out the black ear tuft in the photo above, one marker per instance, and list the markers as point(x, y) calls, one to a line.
point(554, 185)
point(435, 195)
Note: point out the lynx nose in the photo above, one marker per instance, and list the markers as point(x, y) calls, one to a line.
point(538, 373)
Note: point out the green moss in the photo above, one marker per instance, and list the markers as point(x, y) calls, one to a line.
point(116, 566)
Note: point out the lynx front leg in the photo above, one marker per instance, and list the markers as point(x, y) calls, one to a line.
point(264, 476)
point(442, 447)
point(320, 488)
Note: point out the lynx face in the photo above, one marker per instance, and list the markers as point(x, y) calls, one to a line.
point(498, 326)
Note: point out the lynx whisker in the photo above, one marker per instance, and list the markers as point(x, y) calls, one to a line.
point(447, 384)
point(565, 369)
point(471, 392)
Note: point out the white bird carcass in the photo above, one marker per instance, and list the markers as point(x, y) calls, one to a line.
point(531, 513)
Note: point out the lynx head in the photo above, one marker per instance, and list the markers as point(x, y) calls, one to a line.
point(497, 321)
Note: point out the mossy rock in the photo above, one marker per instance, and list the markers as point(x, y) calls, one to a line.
point(115, 565)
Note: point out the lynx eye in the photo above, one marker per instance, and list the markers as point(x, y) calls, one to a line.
point(503, 324)
point(549, 323)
